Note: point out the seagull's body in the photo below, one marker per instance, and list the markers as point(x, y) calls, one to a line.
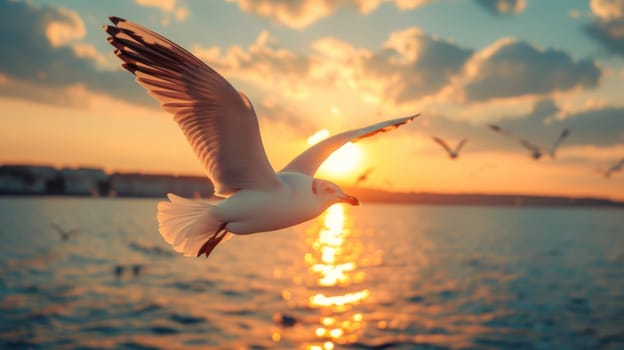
point(453, 153)
point(292, 202)
point(222, 128)
point(536, 151)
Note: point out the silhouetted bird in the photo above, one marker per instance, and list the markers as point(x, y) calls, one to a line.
point(64, 234)
point(614, 168)
point(452, 153)
point(536, 151)
point(363, 177)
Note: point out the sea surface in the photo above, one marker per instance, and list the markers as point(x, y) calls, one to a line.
point(378, 276)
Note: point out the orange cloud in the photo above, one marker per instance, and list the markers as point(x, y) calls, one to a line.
point(67, 28)
point(163, 5)
point(607, 9)
point(180, 13)
point(503, 7)
point(301, 13)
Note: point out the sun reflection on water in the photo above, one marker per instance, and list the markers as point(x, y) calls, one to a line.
point(332, 263)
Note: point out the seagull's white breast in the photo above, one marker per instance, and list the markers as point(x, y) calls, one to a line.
point(251, 211)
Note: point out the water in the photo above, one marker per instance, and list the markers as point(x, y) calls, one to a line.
point(370, 277)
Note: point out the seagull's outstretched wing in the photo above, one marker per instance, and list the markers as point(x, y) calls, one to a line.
point(533, 148)
point(219, 122)
point(443, 144)
point(65, 234)
point(614, 168)
point(555, 145)
point(308, 161)
point(460, 145)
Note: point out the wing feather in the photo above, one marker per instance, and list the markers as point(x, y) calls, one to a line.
point(443, 144)
point(309, 161)
point(219, 122)
point(460, 145)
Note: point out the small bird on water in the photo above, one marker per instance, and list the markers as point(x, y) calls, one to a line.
point(222, 127)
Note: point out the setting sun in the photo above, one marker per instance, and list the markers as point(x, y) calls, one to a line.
point(343, 162)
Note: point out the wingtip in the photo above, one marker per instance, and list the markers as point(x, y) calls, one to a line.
point(111, 30)
point(130, 67)
point(116, 19)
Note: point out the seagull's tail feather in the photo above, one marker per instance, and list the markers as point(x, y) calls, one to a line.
point(190, 226)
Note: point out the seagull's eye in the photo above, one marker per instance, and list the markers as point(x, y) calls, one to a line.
point(329, 190)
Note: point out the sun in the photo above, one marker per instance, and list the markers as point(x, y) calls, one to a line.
point(343, 162)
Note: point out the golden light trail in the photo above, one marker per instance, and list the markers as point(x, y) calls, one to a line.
point(338, 300)
point(333, 262)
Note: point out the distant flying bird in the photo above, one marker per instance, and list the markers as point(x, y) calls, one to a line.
point(64, 234)
point(222, 128)
point(363, 176)
point(536, 151)
point(614, 168)
point(452, 153)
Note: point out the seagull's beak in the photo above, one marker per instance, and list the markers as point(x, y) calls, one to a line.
point(349, 199)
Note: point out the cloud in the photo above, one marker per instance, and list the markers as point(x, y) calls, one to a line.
point(65, 28)
point(301, 13)
point(263, 63)
point(410, 65)
point(503, 7)
point(167, 7)
point(607, 9)
point(163, 5)
point(608, 26)
point(510, 68)
point(181, 13)
point(41, 48)
point(422, 64)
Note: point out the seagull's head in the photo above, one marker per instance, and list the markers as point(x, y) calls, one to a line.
point(330, 193)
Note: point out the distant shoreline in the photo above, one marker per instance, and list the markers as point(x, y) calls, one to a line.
point(368, 195)
point(37, 180)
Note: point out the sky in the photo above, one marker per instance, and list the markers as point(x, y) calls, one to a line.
point(532, 67)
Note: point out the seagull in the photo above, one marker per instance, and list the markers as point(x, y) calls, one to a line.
point(363, 176)
point(536, 151)
point(65, 234)
point(221, 125)
point(615, 167)
point(452, 153)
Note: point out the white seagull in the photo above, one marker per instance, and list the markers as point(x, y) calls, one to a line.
point(452, 153)
point(536, 151)
point(221, 125)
